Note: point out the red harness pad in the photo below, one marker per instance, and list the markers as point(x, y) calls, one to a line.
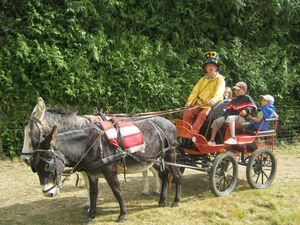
point(133, 139)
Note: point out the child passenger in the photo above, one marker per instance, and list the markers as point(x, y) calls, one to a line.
point(267, 110)
point(227, 94)
point(242, 105)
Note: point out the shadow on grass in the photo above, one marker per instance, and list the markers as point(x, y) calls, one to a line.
point(66, 210)
point(197, 185)
point(57, 211)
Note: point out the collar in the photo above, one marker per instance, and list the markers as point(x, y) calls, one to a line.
point(215, 75)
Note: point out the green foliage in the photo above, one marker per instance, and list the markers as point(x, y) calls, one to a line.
point(138, 56)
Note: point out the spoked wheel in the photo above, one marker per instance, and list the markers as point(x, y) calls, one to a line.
point(223, 174)
point(261, 168)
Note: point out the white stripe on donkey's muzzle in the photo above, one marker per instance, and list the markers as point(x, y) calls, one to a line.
point(50, 190)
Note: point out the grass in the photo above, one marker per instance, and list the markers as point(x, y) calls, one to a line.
point(21, 200)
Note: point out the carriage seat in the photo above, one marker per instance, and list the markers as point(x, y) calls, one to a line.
point(269, 132)
point(218, 110)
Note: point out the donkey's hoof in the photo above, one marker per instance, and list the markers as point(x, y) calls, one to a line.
point(86, 207)
point(175, 204)
point(121, 219)
point(156, 194)
point(144, 194)
point(162, 204)
point(88, 221)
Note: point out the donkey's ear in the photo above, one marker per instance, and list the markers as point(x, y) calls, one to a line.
point(39, 110)
point(53, 135)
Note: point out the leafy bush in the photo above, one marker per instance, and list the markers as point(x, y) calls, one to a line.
point(138, 56)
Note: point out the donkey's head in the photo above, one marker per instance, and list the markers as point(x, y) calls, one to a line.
point(45, 120)
point(48, 163)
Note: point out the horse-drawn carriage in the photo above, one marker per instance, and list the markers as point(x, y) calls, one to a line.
point(253, 150)
point(88, 149)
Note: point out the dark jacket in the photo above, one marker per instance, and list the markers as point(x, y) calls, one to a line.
point(239, 103)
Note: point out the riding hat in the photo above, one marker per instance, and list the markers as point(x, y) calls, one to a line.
point(213, 58)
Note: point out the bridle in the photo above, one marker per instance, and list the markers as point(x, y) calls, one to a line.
point(52, 165)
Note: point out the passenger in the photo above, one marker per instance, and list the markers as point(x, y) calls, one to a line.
point(227, 94)
point(241, 105)
point(267, 110)
point(207, 92)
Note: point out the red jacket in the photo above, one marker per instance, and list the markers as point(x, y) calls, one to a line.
point(239, 103)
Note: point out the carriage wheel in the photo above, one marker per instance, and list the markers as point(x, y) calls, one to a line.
point(261, 168)
point(223, 174)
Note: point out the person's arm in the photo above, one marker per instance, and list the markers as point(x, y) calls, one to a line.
point(258, 118)
point(251, 108)
point(194, 94)
point(219, 91)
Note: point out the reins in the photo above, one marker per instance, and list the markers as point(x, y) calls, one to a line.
point(118, 117)
point(126, 116)
point(138, 116)
point(101, 132)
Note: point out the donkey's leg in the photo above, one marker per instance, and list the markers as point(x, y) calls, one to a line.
point(93, 183)
point(114, 183)
point(86, 184)
point(175, 172)
point(176, 175)
point(164, 188)
point(177, 179)
point(146, 182)
point(156, 180)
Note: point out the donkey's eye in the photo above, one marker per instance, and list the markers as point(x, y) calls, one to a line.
point(47, 168)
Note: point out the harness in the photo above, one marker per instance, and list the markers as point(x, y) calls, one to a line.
point(121, 153)
point(52, 166)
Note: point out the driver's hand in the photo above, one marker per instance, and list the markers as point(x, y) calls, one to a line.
point(210, 103)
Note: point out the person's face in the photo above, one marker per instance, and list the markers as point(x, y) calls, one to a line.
point(239, 92)
point(226, 93)
point(263, 102)
point(211, 69)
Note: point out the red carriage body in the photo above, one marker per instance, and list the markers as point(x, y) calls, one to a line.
point(253, 150)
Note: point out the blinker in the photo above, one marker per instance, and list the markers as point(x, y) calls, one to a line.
point(36, 160)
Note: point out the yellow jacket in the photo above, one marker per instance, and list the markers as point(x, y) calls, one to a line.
point(207, 89)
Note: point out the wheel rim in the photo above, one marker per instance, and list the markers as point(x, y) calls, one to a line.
point(223, 176)
point(261, 168)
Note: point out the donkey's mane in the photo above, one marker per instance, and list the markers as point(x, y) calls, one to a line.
point(60, 111)
point(65, 119)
